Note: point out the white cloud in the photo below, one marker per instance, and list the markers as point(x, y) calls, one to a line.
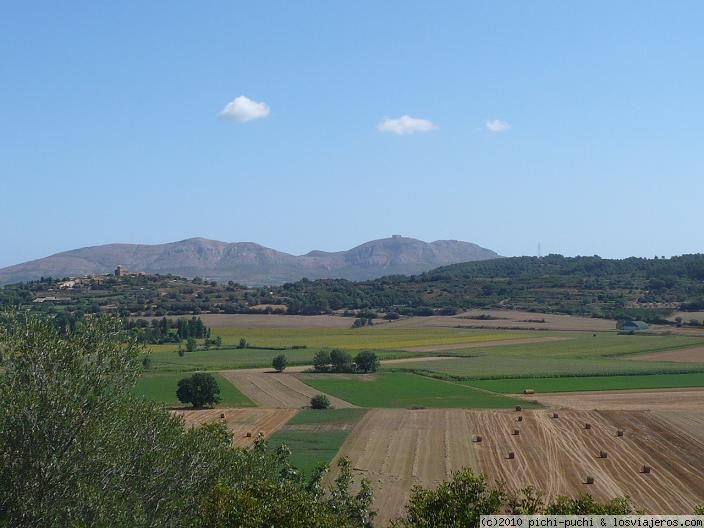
point(405, 125)
point(243, 109)
point(496, 126)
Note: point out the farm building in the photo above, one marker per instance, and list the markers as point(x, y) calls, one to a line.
point(632, 326)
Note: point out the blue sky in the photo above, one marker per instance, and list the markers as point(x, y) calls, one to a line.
point(112, 127)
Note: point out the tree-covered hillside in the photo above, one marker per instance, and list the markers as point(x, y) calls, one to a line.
point(629, 288)
point(633, 287)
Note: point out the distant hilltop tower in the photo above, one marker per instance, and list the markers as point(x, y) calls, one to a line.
point(120, 271)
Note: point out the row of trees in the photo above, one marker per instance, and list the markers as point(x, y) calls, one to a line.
point(337, 360)
point(158, 331)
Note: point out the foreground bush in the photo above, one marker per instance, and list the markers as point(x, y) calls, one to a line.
point(460, 501)
point(77, 449)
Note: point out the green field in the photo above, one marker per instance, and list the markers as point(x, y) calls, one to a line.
point(379, 337)
point(591, 383)
point(233, 358)
point(314, 436)
point(161, 388)
point(406, 390)
point(385, 340)
point(581, 354)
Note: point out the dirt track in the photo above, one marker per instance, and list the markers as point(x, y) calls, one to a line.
point(687, 355)
point(241, 421)
point(397, 448)
point(275, 390)
point(653, 399)
point(482, 344)
point(513, 319)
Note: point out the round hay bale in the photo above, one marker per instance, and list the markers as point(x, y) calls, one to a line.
point(645, 469)
point(587, 426)
point(555, 415)
point(516, 432)
point(619, 432)
point(589, 480)
point(476, 439)
point(511, 455)
point(518, 408)
point(603, 454)
point(222, 415)
point(519, 419)
point(528, 391)
point(249, 435)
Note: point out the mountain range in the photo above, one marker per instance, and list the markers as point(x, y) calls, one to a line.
point(250, 263)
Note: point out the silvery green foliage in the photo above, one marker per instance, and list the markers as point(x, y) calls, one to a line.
point(78, 449)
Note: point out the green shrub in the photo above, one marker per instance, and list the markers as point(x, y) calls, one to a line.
point(279, 363)
point(319, 401)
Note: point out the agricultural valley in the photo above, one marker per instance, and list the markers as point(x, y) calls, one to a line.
point(440, 385)
point(528, 390)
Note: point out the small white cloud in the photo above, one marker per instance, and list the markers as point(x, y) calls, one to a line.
point(405, 125)
point(496, 126)
point(243, 109)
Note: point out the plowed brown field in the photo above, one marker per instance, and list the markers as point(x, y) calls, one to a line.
point(397, 448)
point(687, 355)
point(241, 421)
point(275, 390)
point(651, 399)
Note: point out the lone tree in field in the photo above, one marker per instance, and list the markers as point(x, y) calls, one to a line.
point(191, 345)
point(321, 361)
point(243, 343)
point(199, 390)
point(279, 363)
point(319, 401)
point(366, 361)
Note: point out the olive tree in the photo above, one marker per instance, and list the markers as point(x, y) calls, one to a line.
point(78, 449)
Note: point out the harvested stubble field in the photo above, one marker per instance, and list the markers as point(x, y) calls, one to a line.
point(241, 421)
point(396, 449)
point(556, 455)
point(276, 390)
